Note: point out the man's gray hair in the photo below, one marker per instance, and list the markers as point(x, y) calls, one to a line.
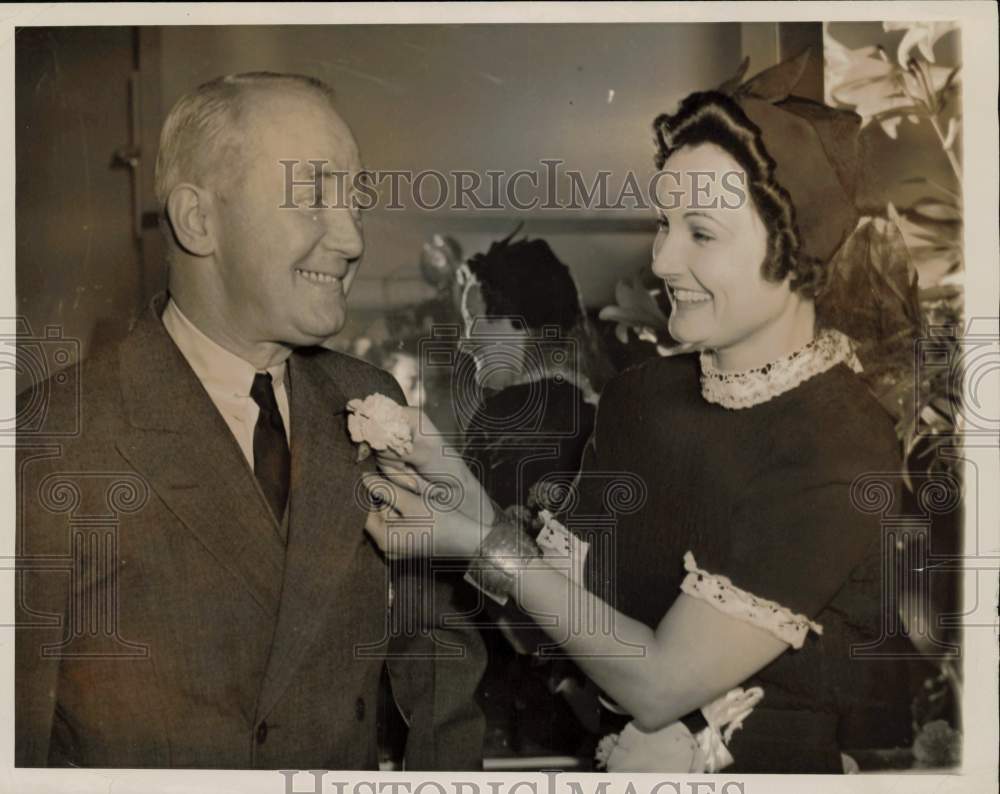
point(199, 131)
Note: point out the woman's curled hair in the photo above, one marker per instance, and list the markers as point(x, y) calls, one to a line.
point(713, 117)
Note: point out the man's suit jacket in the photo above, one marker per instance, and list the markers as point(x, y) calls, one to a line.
point(163, 623)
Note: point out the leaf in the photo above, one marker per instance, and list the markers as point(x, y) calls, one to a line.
point(730, 85)
point(935, 210)
point(635, 306)
point(952, 133)
point(776, 83)
point(872, 295)
point(934, 245)
point(674, 350)
point(940, 292)
point(611, 313)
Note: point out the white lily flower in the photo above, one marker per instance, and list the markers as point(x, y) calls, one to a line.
point(922, 35)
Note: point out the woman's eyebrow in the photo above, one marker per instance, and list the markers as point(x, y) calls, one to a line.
point(706, 216)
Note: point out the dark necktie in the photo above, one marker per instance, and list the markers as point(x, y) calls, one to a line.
point(272, 461)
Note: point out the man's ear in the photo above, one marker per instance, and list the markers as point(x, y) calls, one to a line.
point(188, 208)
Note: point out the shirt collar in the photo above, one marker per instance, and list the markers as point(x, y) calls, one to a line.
point(218, 369)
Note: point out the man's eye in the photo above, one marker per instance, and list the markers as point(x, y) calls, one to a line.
point(701, 236)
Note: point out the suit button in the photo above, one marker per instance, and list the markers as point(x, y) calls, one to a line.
point(262, 733)
point(359, 709)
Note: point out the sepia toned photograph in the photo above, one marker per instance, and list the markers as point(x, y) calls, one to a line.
point(508, 396)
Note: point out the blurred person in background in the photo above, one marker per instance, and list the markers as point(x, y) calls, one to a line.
point(526, 338)
point(525, 333)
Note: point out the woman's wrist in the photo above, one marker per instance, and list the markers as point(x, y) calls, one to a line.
point(504, 553)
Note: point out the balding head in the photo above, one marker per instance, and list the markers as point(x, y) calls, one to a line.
point(201, 137)
point(256, 261)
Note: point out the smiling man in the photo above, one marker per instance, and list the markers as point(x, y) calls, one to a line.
point(243, 614)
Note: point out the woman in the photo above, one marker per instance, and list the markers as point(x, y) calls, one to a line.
point(729, 562)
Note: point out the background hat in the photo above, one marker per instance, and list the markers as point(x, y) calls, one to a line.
point(816, 150)
point(525, 278)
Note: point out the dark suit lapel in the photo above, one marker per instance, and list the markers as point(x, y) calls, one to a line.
point(326, 523)
point(181, 444)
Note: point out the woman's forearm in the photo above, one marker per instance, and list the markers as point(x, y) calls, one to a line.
point(623, 656)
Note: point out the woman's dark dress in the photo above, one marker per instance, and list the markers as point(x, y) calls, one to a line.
point(761, 495)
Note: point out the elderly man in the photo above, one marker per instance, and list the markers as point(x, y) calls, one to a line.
point(196, 587)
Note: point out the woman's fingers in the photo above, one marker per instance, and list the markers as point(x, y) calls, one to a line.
point(378, 525)
point(387, 455)
point(391, 492)
point(408, 524)
point(405, 475)
point(391, 524)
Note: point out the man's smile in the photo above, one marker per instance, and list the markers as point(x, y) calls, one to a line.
point(319, 278)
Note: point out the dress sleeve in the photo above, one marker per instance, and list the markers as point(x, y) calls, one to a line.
point(566, 552)
point(795, 538)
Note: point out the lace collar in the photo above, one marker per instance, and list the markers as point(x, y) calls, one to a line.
point(755, 386)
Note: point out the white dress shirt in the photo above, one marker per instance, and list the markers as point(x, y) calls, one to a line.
point(226, 377)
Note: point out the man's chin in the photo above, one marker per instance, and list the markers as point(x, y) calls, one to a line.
point(317, 333)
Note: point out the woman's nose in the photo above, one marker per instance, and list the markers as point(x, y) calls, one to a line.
point(666, 258)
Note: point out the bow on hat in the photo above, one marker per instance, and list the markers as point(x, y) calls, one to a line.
point(815, 148)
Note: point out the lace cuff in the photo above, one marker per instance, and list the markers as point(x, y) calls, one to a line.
point(720, 592)
point(674, 748)
point(563, 550)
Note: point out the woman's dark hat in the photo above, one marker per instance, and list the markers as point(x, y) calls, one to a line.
point(816, 150)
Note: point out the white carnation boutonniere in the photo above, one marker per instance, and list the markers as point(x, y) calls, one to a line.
point(379, 422)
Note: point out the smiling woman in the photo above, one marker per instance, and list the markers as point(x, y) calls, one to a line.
point(732, 567)
point(739, 280)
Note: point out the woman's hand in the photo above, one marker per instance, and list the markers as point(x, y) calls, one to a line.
point(418, 518)
point(433, 462)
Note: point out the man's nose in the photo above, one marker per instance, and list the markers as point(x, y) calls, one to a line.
point(343, 232)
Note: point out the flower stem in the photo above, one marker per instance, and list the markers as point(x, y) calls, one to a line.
point(934, 105)
point(955, 165)
point(943, 189)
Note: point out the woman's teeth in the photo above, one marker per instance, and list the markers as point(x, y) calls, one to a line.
point(690, 296)
point(316, 277)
